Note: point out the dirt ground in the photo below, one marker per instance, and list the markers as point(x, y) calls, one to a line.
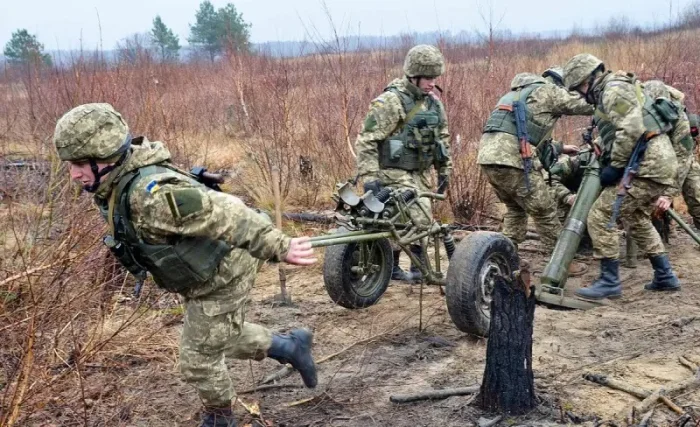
point(637, 339)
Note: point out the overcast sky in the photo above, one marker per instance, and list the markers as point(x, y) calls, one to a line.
point(62, 24)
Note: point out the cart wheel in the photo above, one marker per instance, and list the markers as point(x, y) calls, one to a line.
point(478, 259)
point(356, 275)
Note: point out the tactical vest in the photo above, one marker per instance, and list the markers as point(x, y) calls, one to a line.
point(502, 119)
point(415, 146)
point(183, 264)
point(659, 116)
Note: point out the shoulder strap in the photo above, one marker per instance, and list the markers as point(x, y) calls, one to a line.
point(119, 199)
point(409, 106)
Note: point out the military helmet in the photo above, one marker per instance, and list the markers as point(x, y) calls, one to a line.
point(424, 61)
point(579, 68)
point(524, 79)
point(91, 131)
point(656, 89)
point(555, 73)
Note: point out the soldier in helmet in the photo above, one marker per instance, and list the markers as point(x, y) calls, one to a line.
point(682, 135)
point(405, 135)
point(504, 160)
point(203, 244)
point(623, 116)
point(691, 184)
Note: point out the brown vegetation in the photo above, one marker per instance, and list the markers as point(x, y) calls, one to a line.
point(63, 315)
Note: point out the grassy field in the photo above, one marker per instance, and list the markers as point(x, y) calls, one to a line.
point(76, 350)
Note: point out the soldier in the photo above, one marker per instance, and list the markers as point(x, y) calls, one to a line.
point(203, 244)
point(624, 116)
point(404, 135)
point(504, 160)
point(691, 184)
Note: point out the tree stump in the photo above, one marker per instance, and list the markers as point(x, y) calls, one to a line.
point(508, 384)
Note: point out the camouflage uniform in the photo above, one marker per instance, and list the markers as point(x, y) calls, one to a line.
point(398, 112)
point(618, 99)
point(564, 179)
point(623, 115)
point(168, 207)
point(501, 162)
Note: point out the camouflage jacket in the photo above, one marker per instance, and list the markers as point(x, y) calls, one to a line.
point(682, 141)
point(618, 99)
point(382, 121)
point(208, 213)
point(547, 104)
point(565, 177)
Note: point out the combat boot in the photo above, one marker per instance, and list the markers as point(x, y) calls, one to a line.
point(295, 349)
point(414, 273)
point(664, 278)
point(397, 272)
point(608, 284)
point(218, 417)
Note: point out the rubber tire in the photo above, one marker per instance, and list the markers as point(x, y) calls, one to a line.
point(463, 288)
point(338, 281)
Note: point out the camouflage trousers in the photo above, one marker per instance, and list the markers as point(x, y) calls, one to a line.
point(635, 212)
point(215, 330)
point(509, 185)
point(401, 179)
point(397, 178)
point(691, 192)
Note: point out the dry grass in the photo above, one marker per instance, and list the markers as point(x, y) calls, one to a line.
point(60, 310)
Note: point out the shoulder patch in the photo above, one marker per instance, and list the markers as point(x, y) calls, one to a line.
point(184, 202)
point(377, 102)
point(370, 122)
point(152, 187)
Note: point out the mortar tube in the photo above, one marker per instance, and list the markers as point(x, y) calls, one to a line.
point(557, 269)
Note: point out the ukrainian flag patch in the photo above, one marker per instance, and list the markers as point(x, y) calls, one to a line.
point(152, 187)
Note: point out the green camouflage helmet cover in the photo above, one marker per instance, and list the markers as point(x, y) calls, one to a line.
point(579, 68)
point(556, 74)
point(524, 79)
point(424, 61)
point(656, 89)
point(659, 89)
point(91, 131)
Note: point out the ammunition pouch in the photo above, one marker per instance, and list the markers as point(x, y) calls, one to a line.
point(414, 147)
point(441, 154)
point(688, 143)
point(189, 263)
point(124, 256)
point(548, 154)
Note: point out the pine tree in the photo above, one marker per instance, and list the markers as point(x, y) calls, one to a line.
point(165, 41)
point(215, 31)
point(24, 48)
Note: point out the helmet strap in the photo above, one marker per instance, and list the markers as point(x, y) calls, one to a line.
point(125, 149)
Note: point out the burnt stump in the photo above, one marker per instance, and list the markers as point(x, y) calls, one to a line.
point(508, 384)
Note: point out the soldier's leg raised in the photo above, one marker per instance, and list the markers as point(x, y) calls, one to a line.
point(605, 248)
point(253, 341)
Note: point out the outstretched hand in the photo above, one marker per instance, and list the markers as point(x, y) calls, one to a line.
point(300, 252)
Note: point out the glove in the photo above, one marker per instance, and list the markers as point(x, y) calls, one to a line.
point(373, 186)
point(610, 175)
point(443, 182)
